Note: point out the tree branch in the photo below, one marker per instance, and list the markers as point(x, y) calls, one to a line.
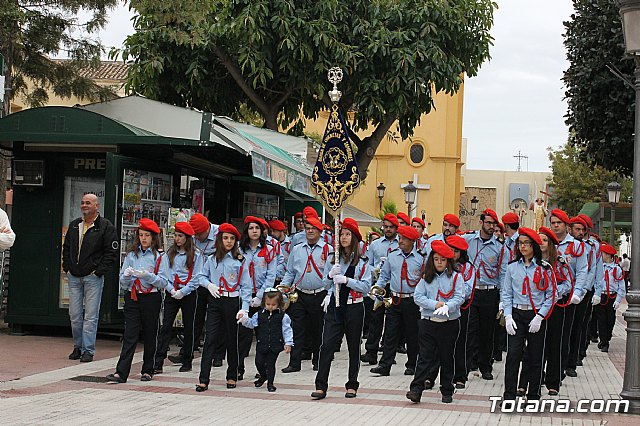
point(369, 145)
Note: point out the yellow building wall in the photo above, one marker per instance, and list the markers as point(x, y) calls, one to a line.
point(440, 132)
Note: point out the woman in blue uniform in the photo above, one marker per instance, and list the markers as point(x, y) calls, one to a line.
point(609, 297)
point(142, 300)
point(353, 276)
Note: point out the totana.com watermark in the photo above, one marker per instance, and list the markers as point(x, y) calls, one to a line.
point(521, 405)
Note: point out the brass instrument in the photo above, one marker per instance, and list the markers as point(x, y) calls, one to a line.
point(289, 296)
point(377, 294)
point(500, 318)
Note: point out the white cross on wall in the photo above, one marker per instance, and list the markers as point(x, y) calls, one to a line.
point(419, 186)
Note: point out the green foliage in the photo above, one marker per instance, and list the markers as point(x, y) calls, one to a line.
point(576, 182)
point(387, 207)
point(601, 106)
point(32, 30)
point(273, 56)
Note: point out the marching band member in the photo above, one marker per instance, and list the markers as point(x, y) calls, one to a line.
point(142, 300)
point(284, 243)
point(377, 254)
point(609, 296)
point(420, 226)
point(403, 219)
point(511, 224)
point(301, 237)
point(180, 268)
point(439, 295)
point(353, 275)
point(298, 222)
point(402, 269)
point(489, 264)
point(450, 226)
point(527, 297)
point(228, 284)
point(499, 232)
point(305, 276)
point(273, 335)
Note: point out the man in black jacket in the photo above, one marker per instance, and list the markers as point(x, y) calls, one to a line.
point(89, 251)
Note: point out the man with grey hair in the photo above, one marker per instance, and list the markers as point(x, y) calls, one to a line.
point(89, 251)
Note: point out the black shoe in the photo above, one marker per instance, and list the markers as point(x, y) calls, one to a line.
point(350, 394)
point(579, 363)
point(257, 376)
point(487, 376)
point(372, 359)
point(114, 378)
point(258, 383)
point(157, 370)
point(240, 376)
point(185, 367)
point(306, 356)
point(315, 367)
point(146, 377)
point(553, 392)
point(380, 370)
point(290, 369)
point(86, 357)
point(460, 385)
point(413, 396)
point(271, 388)
point(604, 348)
point(176, 359)
point(231, 385)
point(76, 354)
point(600, 345)
point(401, 349)
point(217, 363)
point(571, 372)
point(200, 388)
point(409, 372)
point(594, 340)
point(497, 357)
point(521, 392)
point(318, 394)
point(447, 399)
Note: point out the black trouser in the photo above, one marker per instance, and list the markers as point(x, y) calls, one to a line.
point(266, 364)
point(306, 319)
point(221, 318)
point(585, 334)
point(437, 345)
point(593, 325)
point(577, 328)
point(376, 324)
point(201, 312)
point(535, 353)
point(143, 314)
point(244, 342)
point(553, 348)
point(606, 318)
point(473, 329)
point(499, 339)
point(368, 309)
point(335, 327)
point(485, 308)
point(403, 314)
point(462, 370)
point(171, 306)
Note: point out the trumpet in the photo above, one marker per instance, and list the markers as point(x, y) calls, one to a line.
point(289, 296)
point(377, 294)
point(377, 291)
point(386, 301)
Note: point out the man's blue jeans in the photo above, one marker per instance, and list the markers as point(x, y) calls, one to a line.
point(85, 294)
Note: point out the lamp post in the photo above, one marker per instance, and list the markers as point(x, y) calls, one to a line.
point(410, 196)
point(381, 189)
point(474, 207)
point(630, 15)
point(614, 197)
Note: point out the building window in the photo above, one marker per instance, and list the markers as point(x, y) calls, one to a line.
point(416, 153)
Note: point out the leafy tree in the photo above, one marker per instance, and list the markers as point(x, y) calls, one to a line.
point(601, 104)
point(577, 182)
point(273, 55)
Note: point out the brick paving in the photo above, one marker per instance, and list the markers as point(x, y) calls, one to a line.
point(36, 388)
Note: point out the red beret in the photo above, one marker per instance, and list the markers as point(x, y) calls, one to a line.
point(501, 226)
point(458, 242)
point(459, 232)
point(298, 215)
point(596, 236)
point(185, 228)
point(587, 220)
point(253, 219)
point(199, 223)
point(606, 248)
point(277, 225)
point(374, 233)
point(510, 218)
point(229, 229)
point(352, 226)
point(560, 214)
point(440, 247)
point(390, 217)
point(578, 220)
point(148, 225)
point(310, 212)
point(419, 221)
point(264, 223)
point(409, 232)
point(489, 212)
point(549, 233)
point(313, 221)
point(452, 219)
point(403, 216)
point(528, 232)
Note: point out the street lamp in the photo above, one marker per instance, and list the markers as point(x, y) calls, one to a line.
point(614, 198)
point(474, 205)
point(410, 196)
point(381, 189)
point(630, 16)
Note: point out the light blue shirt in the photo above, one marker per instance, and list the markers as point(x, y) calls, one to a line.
point(285, 250)
point(287, 331)
point(563, 277)
point(469, 277)
point(510, 247)
point(208, 246)
point(180, 270)
point(301, 271)
point(360, 283)
point(514, 281)
point(577, 261)
point(391, 271)
point(428, 294)
point(487, 259)
point(616, 283)
point(227, 271)
point(145, 260)
point(265, 266)
point(594, 264)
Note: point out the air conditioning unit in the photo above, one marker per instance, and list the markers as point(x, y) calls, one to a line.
point(28, 173)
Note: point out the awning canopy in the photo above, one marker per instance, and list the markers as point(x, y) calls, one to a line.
point(361, 217)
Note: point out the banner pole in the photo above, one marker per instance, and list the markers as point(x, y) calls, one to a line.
point(336, 257)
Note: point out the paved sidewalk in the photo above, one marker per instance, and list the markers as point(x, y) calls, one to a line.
point(47, 389)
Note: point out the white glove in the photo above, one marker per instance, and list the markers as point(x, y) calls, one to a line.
point(382, 260)
point(442, 310)
point(177, 294)
point(335, 270)
point(500, 306)
point(615, 305)
point(244, 320)
point(340, 279)
point(510, 325)
point(534, 325)
point(214, 290)
point(255, 302)
point(575, 299)
point(142, 273)
point(325, 303)
point(595, 300)
point(241, 313)
point(128, 272)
